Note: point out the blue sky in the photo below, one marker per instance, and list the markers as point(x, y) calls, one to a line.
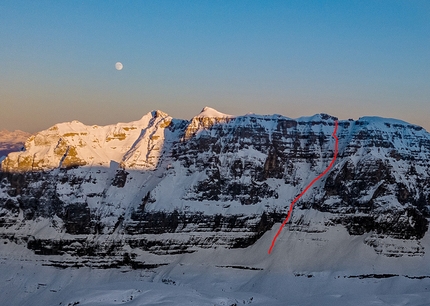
point(295, 58)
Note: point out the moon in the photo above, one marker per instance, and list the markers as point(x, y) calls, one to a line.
point(118, 66)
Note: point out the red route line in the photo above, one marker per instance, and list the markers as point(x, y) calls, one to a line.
point(336, 148)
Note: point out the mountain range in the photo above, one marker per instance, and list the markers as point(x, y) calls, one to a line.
point(11, 141)
point(167, 186)
point(182, 212)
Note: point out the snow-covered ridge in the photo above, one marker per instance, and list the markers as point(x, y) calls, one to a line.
point(137, 144)
point(388, 122)
point(140, 144)
point(13, 136)
point(76, 144)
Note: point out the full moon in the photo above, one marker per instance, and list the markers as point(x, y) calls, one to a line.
point(118, 66)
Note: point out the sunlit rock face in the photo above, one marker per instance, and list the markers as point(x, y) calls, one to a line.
point(166, 185)
point(136, 145)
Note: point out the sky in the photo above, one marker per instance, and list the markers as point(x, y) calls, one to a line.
point(295, 58)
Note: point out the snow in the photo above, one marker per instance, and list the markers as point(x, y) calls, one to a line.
point(13, 137)
point(376, 120)
point(312, 263)
point(212, 113)
point(302, 270)
point(140, 144)
point(314, 118)
point(147, 140)
point(144, 144)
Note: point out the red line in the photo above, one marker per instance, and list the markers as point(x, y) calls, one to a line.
point(336, 148)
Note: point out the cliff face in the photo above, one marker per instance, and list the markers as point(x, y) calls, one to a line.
point(166, 186)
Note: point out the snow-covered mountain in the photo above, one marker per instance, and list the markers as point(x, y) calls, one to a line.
point(111, 195)
point(11, 142)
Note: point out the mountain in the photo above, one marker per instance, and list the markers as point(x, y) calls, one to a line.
point(120, 194)
point(11, 142)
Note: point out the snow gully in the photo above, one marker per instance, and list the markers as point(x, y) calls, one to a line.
point(336, 149)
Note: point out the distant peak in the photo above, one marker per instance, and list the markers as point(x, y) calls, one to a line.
point(212, 113)
point(5, 131)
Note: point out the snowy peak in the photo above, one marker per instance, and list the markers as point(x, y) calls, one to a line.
point(13, 136)
point(208, 112)
point(72, 144)
point(159, 114)
point(317, 118)
point(383, 123)
point(206, 119)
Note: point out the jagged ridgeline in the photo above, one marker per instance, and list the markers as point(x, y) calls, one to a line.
point(166, 185)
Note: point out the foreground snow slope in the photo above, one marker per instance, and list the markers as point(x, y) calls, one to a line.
point(298, 272)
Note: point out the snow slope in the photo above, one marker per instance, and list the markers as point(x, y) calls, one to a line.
point(348, 274)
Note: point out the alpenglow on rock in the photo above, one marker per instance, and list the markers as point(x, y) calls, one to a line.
point(168, 186)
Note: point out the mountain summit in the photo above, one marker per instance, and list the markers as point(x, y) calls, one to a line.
point(212, 113)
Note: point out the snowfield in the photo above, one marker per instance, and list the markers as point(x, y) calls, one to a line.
point(300, 271)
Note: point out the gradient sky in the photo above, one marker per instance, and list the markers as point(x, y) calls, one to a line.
point(295, 58)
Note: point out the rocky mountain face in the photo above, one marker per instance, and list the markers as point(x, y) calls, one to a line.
point(166, 186)
point(11, 141)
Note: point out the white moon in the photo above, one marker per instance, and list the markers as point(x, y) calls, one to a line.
point(118, 66)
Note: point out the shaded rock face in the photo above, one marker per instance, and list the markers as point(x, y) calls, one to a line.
point(170, 186)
